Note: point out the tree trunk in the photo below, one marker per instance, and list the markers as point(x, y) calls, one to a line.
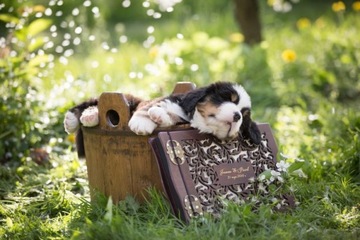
point(247, 16)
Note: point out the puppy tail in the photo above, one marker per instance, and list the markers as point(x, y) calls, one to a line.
point(80, 144)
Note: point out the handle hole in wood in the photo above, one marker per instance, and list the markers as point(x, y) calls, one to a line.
point(113, 118)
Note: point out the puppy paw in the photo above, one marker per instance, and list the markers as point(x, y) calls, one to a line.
point(160, 116)
point(90, 117)
point(71, 122)
point(142, 125)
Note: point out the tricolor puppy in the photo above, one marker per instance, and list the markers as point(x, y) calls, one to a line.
point(222, 109)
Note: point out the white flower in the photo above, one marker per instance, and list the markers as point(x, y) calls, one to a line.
point(262, 188)
point(300, 173)
point(282, 166)
point(262, 177)
point(166, 4)
point(284, 155)
point(274, 175)
point(254, 199)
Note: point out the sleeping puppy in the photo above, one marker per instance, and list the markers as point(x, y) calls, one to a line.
point(222, 109)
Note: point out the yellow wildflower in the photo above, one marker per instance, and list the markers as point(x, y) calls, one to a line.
point(236, 37)
point(71, 138)
point(356, 6)
point(288, 55)
point(153, 52)
point(320, 23)
point(271, 2)
point(338, 6)
point(303, 23)
point(38, 8)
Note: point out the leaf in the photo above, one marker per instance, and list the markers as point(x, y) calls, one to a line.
point(265, 175)
point(39, 59)
point(36, 43)
point(38, 26)
point(131, 204)
point(3, 64)
point(88, 221)
point(9, 18)
point(9, 222)
point(109, 210)
point(295, 166)
point(21, 34)
point(4, 134)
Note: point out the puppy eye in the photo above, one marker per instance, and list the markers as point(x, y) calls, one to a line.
point(211, 115)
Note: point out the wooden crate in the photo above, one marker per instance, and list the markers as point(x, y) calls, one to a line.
point(119, 162)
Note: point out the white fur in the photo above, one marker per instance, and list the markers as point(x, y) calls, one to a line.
point(227, 111)
point(244, 97)
point(160, 116)
point(160, 113)
point(222, 125)
point(71, 123)
point(199, 122)
point(90, 117)
point(141, 125)
point(174, 108)
point(164, 114)
point(226, 118)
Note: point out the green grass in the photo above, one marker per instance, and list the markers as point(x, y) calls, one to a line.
point(311, 104)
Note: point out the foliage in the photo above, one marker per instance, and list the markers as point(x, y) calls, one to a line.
point(303, 80)
point(55, 207)
point(28, 120)
point(21, 116)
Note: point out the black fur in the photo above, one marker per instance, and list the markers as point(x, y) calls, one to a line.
point(79, 140)
point(248, 128)
point(191, 99)
point(221, 92)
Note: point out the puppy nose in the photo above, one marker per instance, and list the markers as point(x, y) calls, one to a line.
point(236, 116)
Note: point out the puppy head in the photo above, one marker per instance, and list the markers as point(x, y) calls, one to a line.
point(221, 109)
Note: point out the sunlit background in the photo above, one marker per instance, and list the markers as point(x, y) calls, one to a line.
point(303, 77)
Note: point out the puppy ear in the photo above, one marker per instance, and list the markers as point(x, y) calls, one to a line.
point(248, 128)
point(191, 99)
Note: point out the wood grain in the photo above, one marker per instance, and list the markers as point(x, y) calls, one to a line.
point(119, 162)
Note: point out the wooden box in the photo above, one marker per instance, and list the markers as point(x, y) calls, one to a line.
point(119, 162)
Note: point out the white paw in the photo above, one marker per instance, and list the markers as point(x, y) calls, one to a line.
point(142, 125)
point(71, 122)
point(90, 117)
point(160, 116)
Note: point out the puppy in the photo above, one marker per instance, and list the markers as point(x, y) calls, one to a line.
point(222, 109)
